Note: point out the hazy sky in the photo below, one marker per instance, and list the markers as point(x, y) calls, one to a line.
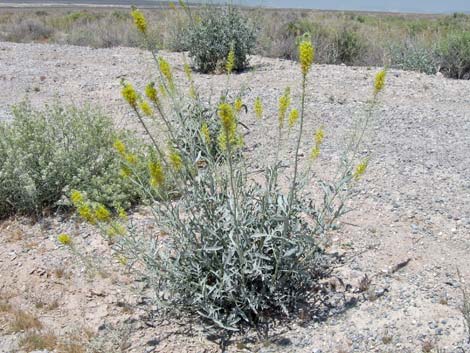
point(372, 5)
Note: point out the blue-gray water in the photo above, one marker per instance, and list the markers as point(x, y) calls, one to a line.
point(420, 6)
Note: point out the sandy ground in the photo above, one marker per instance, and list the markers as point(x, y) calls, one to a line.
point(413, 204)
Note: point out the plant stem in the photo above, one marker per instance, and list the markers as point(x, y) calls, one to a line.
point(296, 158)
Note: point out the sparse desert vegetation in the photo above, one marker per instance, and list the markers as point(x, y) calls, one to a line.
point(223, 201)
point(424, 43)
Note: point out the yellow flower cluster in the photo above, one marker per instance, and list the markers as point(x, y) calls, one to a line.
point(318, 138)
point(64, 239)
point(293, 117)
point(146, 109)
point(130, 95)
point(102, 214)
point(258, 108)
point(115, 229)
point(151, 93)
point(175, 160)
point(76, 197)
point(379, 82)
point(205, 132)
point(360, 169)
point(157, 174)
point(284, 104)
point(122, 150)
point(226, 116)
point(139, 20)
point(306, 56)
point(238, 105)
point(165, 69)
point(230, 63)
point(228, 135)
point(90, 213)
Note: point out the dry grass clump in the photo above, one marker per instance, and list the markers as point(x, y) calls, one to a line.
point(23, 321)
point(35, 340)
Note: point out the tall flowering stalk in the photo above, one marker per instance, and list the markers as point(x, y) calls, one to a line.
point(306, 56)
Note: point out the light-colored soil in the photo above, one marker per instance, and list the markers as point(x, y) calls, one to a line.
point(414, 203)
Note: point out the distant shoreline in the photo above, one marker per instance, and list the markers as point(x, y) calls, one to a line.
point(160, 4)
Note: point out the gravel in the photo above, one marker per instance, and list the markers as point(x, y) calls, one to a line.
point(413, 203)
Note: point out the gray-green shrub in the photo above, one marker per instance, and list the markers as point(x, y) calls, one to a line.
point(349, 46)
point(454, 55)
point(211, 36)
point(412, 56)
point(46, 153)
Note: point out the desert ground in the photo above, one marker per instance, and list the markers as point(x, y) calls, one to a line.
point(409, 230)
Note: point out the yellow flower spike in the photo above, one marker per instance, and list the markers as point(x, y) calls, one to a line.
point(151, 93)
point(319, 136)
point(205, 132)
point(76, 197)
point(172, 5)
point(139, 20)
point(102, 214)
point(111, 231)
point(226, 116)
point(64, 239)
point(131, 158)
point(284, 103)
point(85, 212)
point(258, 108)
point(120, 147)
point(157, 175)
point(122, 260)
point(230, 63)
point(165, 69)
point(175, 160)
point(360, 169)
point(306, 56)
point(293, 117)
point(120, 229)
point(315, 153)
point(238, 105)
point(379, 82)
point(222, 140)
point(146, 109)
point(130, 95)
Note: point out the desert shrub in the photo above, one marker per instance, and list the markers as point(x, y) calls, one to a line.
point(349, 46)
point(454, 54)
point(210, 38)
point(239, 247)
point(323, 39)
point(46, 153)
point(29, 29)
point(413, 57)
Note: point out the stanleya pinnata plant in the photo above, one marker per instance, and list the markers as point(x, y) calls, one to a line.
point(233, 251)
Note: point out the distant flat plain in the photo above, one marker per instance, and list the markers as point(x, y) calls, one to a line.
point(413, 6)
